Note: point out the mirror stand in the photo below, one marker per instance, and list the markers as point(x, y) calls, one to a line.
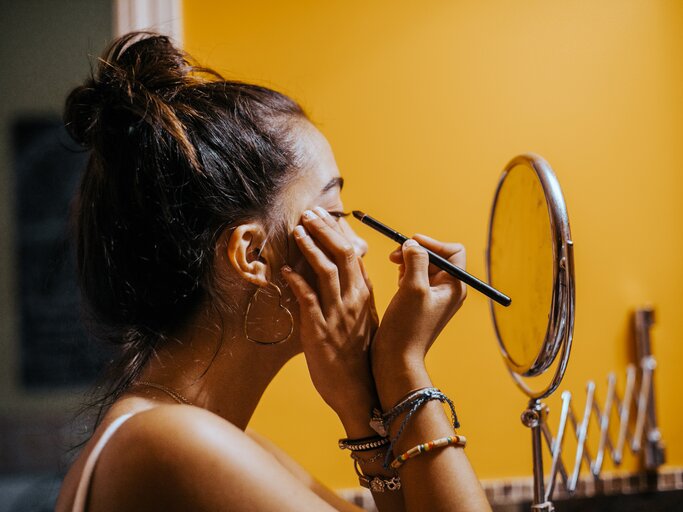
point(530, 256)
point(641, 434)
point(534, 417)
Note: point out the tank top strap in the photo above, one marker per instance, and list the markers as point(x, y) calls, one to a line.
point(84, 483)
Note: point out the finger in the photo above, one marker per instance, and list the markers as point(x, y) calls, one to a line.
point(446, 250)
point(309, 306)
point(332, 222)
point(453, 252)
point(365, 275)
point(338, 246)
point(371, 289)
point(368, 282)
point(324, 269)
point(397, 255)
point(416, 263)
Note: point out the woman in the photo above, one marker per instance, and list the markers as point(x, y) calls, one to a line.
point(212, 246)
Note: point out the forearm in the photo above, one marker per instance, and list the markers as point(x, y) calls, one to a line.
point(442, 479)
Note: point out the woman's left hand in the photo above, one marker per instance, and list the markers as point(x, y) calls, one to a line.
point(338, 322)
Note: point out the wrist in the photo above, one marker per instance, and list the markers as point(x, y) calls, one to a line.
point(355, 416)
point(389, 354)
point(357, 426)
point(397, 377)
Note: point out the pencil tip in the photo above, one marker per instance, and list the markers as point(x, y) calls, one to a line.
point(358, 214)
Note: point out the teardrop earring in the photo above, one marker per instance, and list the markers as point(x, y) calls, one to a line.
point(289, 315)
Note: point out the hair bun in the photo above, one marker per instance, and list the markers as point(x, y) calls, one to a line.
point(136, 80)
point(80, 112)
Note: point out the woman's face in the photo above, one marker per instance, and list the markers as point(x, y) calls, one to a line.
point(319, 184)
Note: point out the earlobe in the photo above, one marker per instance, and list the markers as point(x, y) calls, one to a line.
point(245, 253)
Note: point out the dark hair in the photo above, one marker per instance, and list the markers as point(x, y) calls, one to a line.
point(178, 154)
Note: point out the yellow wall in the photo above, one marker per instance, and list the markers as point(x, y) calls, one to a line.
point(424, 103)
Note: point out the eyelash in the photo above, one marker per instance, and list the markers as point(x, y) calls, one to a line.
point(338, 215)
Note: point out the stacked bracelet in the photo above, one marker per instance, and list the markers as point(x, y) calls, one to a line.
point(412, 403)
point(364, 444)
point(380, 484)
point(375, 483)
point(367, 460)
point(380, 421)
point(425, 447)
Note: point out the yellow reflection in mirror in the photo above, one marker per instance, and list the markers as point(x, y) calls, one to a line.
point(521, 265)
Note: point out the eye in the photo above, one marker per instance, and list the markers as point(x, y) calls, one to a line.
point(337, 214)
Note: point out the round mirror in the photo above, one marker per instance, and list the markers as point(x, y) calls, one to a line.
point(530, 255)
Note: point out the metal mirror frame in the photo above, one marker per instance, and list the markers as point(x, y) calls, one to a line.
point(561, 319)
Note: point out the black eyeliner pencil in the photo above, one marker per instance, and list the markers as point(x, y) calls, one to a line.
point(437, 260)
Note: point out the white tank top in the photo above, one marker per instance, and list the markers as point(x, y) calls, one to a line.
point(89, 468)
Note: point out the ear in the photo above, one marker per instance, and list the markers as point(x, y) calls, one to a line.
point(247, 254)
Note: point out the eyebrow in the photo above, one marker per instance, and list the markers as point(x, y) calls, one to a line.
point(334, 182)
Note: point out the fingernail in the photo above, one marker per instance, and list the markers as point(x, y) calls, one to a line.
point(286, 269)
point(299, 232)
point(308, 214)
point(410, 243)
point(321, 211)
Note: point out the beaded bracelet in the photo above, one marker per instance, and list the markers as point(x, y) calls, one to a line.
point(442, 442)
point(363, 445)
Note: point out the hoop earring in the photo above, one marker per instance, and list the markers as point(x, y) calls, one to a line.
point(289, 314)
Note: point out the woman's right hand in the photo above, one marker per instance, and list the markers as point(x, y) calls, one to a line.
point(427, 298)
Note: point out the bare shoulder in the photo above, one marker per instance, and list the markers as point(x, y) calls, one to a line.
point(186, 458)
point(183, 427)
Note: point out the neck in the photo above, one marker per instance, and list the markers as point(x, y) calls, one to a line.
point(228, 381)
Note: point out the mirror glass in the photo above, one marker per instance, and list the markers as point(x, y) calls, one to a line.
point(521, 262)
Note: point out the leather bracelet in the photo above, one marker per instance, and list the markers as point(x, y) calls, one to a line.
point(364, 444)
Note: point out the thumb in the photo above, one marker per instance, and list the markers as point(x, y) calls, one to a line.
point(416, 262)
